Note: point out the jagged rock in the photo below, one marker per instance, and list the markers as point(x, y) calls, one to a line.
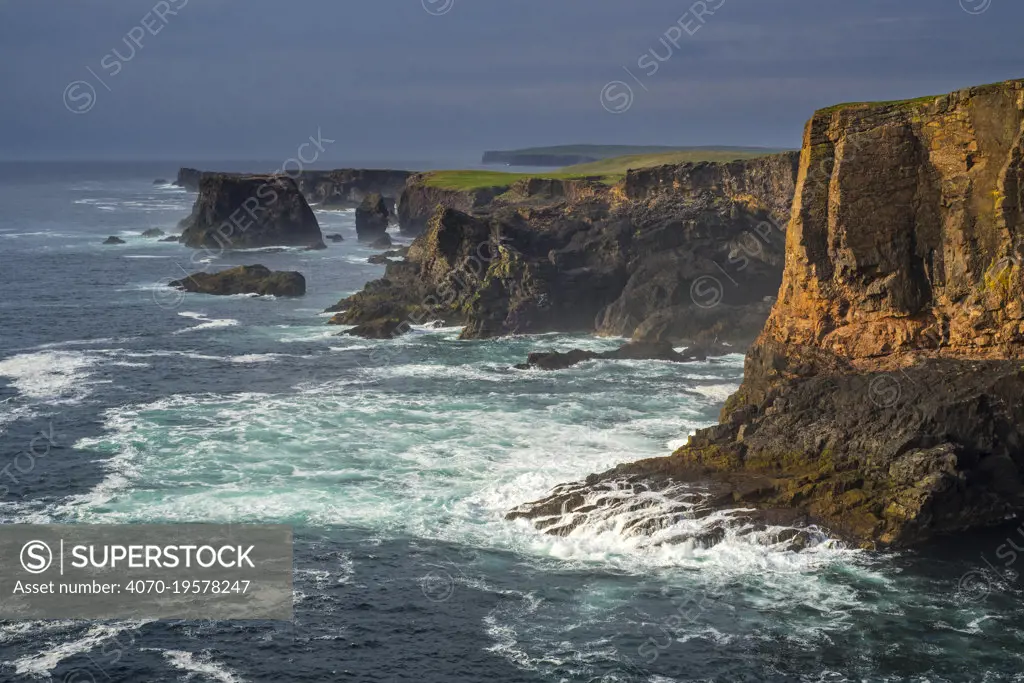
point(113, 240)
point(335, 238)
point(554, 360)
point(372, 220)
point(171, 238)
point(245, 280)
point(885, 397)
point(153, 232)
point(247, 211)
point(545, 255)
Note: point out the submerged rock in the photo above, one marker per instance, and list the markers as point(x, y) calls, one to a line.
point(153, 232)
point(335, 237)
point(383, 242)
point(380, 328)
point(114, 240)
point(255, 279)
point(248, 211)
point(171, 238)
point(372, 220)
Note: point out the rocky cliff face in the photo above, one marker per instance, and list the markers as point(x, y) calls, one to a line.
point(766, 183)
point(906, 234)
point(188, 178)
point(579, 255)
point(346, 188)
point(247, 211)
point(419, 200)
point(884, 397)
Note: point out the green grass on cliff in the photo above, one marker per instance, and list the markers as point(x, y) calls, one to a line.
point(609, 171)
point(619, 165)
point(477, 180)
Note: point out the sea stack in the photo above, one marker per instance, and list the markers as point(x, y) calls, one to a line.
point(372, 219)
point(250, 211)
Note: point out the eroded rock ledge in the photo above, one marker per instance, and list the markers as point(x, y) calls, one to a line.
point(885, 396)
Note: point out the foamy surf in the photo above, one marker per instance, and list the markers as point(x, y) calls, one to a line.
point(53, 376)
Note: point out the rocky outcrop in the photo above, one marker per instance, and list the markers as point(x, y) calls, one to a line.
point(171, 238)
point(420, 200)
point(152, 232)
point(188, 178)
point(245, 280)
point(113, 239)
point(346, 188)
point(556, 360)
point(544, 255)
point(249, 211)
point(372, 219)
point(885, 397)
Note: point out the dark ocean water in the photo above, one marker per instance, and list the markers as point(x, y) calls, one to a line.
point(395, 462)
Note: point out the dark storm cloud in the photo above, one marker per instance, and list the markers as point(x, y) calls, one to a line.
point(390, 80)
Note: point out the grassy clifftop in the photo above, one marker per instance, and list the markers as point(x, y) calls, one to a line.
point(609, 171)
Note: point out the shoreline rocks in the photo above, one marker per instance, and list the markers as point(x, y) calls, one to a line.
point(113, 239)
point(250, 211)
point(256, 279)
point(152, 232)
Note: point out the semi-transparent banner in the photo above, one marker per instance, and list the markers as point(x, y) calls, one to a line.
point(146, 571)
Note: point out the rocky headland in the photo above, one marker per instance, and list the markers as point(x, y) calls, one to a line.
point(884, 398)
point(249, 211)
point(635, 257)
point(255, 279)
point(188, 178)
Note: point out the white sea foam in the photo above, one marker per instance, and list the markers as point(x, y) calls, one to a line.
point(202, 664)
point(205, 323)
point(53, 376)
point(40, 665)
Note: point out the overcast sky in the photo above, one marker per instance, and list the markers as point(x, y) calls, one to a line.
point(446, 79)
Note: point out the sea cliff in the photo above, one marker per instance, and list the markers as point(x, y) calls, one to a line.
point(579, 254)
point(884, 398)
